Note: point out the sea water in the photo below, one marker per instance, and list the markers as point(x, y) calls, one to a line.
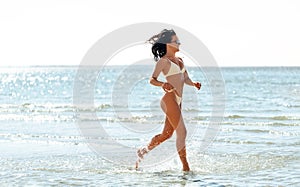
point(257, 142)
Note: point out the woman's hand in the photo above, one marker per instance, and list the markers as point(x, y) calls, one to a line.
point(197, 85)
point(167, 87)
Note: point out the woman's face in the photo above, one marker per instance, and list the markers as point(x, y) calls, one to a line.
point(174, 44)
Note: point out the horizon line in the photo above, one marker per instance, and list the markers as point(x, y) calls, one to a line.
point(116, 65)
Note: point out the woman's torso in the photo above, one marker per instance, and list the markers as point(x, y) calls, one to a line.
point(174, 72)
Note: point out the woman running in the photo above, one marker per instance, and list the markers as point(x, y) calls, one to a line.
point(164, 46)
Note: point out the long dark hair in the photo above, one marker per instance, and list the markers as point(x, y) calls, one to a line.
point(159, 43)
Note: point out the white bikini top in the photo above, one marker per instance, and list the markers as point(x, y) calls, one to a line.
point(174, 69)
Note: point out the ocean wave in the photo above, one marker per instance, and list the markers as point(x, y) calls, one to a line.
point(231, 163)
point(259, 124)
point(284, 133)
point(235, 116)
point(46, 112)
point(246, 142)
point(251, 116)
point(42, 138)
point(283, 118)
point(47, 107)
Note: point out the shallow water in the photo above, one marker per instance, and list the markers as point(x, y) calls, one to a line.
point(41, 144)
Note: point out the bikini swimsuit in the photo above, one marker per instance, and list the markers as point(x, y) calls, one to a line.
point(175, 69)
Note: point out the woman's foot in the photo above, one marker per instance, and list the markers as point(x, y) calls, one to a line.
point(140, 154)
point(142, 151)
point(182, 156)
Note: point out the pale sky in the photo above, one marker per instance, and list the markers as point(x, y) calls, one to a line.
point(236, 32)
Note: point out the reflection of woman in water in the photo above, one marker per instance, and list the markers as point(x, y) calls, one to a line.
point(164, 46)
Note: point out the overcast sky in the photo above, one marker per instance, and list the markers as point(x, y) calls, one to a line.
point(236, 32)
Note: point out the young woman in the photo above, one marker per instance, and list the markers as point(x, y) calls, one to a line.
point(164, 46)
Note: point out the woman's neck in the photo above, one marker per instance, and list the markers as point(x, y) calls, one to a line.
point(170, 54)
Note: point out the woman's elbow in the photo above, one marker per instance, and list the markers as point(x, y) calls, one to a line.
point(186, 80)
point(153, 81)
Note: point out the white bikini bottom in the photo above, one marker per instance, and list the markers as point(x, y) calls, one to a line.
point(178, 99)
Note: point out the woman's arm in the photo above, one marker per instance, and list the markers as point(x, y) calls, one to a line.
point(158, 68)
point(187, 79)
point(153, 80)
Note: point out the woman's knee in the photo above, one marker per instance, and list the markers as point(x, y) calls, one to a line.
point(181, 136)
point(168, 135)
point(164, 136)
point(181, 132)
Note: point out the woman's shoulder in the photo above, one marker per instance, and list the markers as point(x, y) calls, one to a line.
point(180, 62)
point(161, 63)
point(163, 60)
point(179, 59)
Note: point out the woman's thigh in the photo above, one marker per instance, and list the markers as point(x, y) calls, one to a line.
point(171, 109)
